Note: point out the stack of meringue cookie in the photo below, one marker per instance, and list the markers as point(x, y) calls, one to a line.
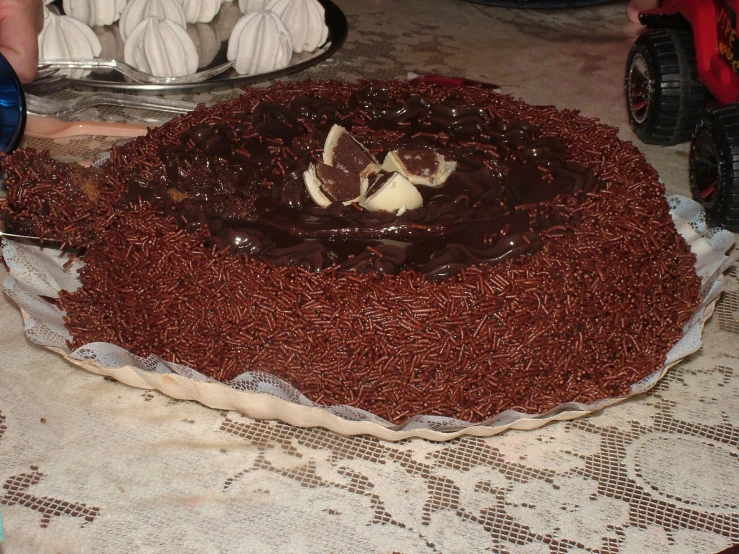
point(171, 38)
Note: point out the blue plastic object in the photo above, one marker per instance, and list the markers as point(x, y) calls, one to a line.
point(12, 108)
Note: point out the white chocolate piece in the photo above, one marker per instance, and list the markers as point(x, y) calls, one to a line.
point(67, 38)
point(94, 12)
point(449, 168)
point(137, 11)
point(162, 48)
point(321, 194)
point(313, 186)
point(259, 43)
point(394, 162)
point(397, 194)
point(306, 21)
point(359, 160)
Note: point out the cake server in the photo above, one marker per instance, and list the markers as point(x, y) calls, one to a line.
point(447, 81)
point(3, 234)
point(39, 126)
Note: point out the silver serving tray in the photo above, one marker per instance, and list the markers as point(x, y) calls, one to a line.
point(211, 40)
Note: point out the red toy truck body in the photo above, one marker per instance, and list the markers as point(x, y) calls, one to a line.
point(713, 23)
point(682, 83)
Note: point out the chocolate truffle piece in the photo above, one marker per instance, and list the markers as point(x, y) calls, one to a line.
point(421, 166)
point(343, 151)
point(326, 184)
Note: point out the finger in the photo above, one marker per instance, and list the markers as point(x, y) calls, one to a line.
point(20, 22)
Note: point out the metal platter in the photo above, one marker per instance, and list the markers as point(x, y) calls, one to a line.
point(211, 41)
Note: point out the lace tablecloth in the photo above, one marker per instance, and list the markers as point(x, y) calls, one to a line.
point(90, 465)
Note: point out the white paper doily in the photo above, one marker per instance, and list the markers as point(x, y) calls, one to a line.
point(38, 273)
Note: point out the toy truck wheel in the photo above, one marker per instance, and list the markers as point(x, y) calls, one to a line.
point(663, 95)
point(714, 166)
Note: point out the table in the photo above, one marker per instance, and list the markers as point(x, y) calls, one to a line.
point(91, 465)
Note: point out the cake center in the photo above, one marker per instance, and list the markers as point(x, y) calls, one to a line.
point(483, 189)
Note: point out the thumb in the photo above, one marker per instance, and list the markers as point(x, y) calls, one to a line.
point(20, 22)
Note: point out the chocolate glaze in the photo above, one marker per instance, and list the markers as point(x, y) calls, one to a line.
point(243, 178)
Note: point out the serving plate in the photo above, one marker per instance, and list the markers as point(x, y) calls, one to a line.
point(37, 274)
point(211, 41)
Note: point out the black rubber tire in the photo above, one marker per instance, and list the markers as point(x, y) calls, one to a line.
point(714, 166)
point(664, 97)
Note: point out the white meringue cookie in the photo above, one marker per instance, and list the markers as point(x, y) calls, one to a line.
point(306, 21)
point(207, 41)
point(94, 12)
point(67, 38)
point(259, 43)
point(111, 41)
point(226, 19)
point(249, 6)
point(52, 9)
point(201, 11)
point(162, 48)
point(137, 11)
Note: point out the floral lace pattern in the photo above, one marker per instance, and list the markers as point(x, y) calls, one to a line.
point(632, 478)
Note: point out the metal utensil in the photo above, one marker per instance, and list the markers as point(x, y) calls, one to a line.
point(3, 234)
point(55, 107)
point(128, 71)
point(446, 80)
point(46, 82)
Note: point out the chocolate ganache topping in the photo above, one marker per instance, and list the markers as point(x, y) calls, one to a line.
point(243, 178)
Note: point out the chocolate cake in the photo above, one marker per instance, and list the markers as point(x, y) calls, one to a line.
point(532, 261)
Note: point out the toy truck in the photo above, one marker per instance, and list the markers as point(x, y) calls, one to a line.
point(682, 83)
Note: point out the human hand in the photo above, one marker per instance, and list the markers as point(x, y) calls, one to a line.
point(635, 6)
point(20, 23)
